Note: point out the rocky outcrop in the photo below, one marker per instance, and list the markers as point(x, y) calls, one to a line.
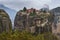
point(5, 22)
point(33, 20)
point(56, 26)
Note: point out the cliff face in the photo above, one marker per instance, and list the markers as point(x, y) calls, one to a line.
point(5, 22)
point(33, 20)
point(56, 26)
point(18, 22)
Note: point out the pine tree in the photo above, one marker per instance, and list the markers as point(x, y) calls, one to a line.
point(24, 9)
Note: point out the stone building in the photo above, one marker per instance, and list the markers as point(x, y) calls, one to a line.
point(5, 22)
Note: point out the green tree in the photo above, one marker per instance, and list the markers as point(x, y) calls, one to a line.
point(24, 9)
point(26, 36)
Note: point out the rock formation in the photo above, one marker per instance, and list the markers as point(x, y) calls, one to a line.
point(35, 21)
point(5, 22)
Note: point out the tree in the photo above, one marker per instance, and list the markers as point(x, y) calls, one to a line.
point(24, 9)
point(26, 36)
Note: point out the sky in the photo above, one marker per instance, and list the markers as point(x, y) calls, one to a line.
point(19, 4)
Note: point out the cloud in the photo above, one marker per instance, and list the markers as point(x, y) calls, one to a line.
point(19, 4)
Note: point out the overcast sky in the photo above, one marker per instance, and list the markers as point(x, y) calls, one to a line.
point(19, 4)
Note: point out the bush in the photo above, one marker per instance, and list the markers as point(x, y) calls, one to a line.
point(26, 36)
